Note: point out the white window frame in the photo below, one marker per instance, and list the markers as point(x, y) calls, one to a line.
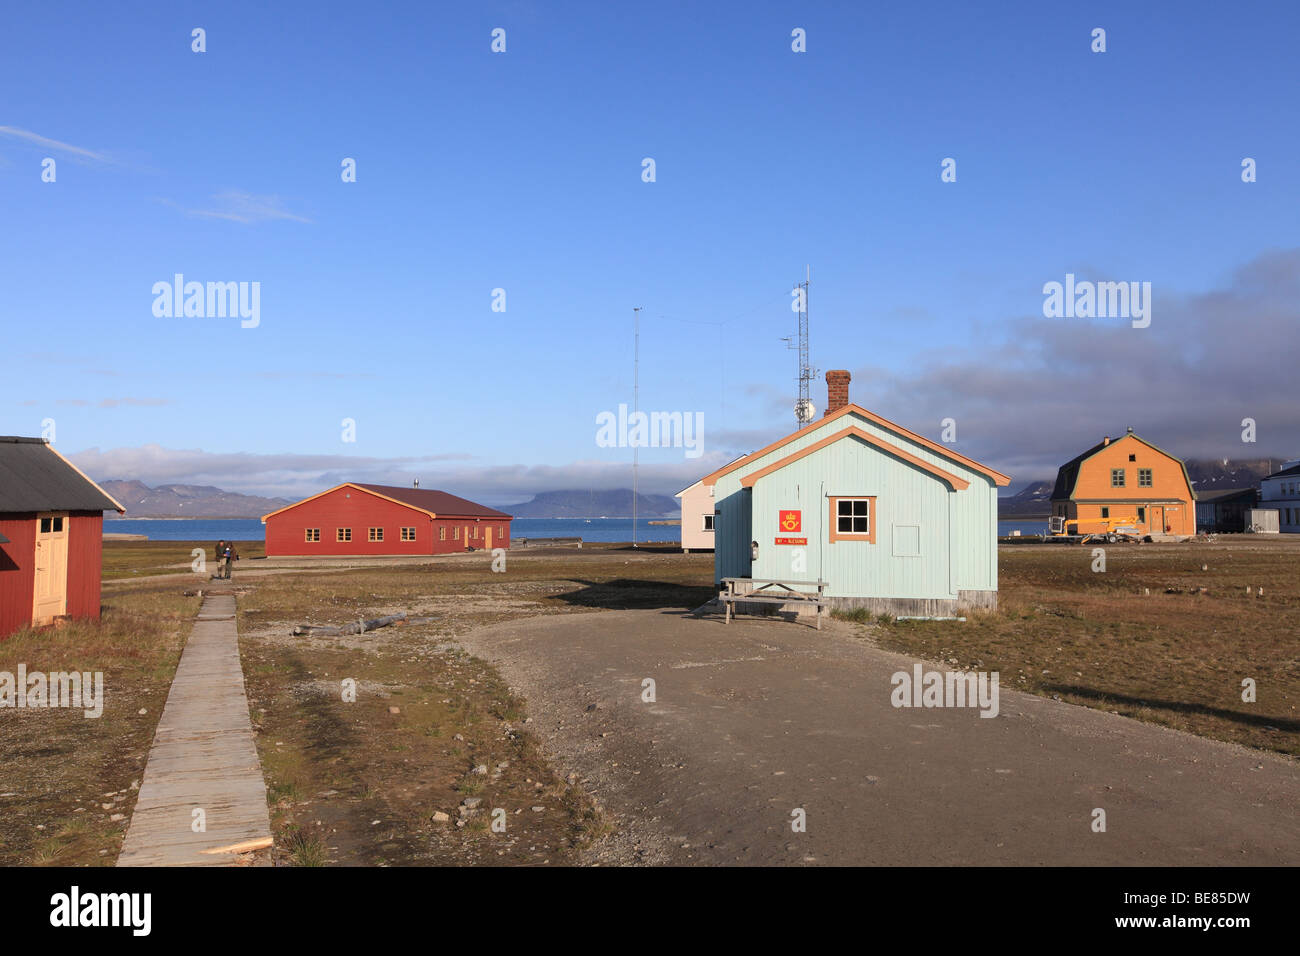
point(870, 516)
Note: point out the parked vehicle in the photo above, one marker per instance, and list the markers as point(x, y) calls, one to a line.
point(1124, 528)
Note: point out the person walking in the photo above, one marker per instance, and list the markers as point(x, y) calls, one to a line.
point(232, 555)
point(219, 556)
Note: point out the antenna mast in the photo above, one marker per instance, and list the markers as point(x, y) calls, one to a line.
point(636, 400)
point(803, 408)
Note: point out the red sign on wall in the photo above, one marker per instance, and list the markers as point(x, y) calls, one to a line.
point(798, 541)
point(789, 520)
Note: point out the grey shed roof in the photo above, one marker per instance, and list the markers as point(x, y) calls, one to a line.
point(35, 477)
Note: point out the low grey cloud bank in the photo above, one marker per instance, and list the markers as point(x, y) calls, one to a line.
point(293, 476)
point(1045, 389)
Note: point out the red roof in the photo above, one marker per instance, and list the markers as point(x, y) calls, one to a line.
point(439, 502)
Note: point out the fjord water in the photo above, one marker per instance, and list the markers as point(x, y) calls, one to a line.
point(251, 529)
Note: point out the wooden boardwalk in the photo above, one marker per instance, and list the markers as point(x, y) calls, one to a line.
point(203, 757)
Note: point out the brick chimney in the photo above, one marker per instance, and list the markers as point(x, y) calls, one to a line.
point(837, 390)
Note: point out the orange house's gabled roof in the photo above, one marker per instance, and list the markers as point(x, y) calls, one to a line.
point(957, 484)
point(1067, 476)
point(997, 476)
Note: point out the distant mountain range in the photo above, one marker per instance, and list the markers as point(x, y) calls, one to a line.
point(1033, 500)
point(1222, 474)
point(206, 501)
point(596, 504)
point(186, 501)
point(1207, 475)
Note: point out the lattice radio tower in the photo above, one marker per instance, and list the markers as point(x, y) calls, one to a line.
point(803, 406)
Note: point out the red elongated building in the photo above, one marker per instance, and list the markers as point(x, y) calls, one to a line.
point(51, 536)
point(354, 519)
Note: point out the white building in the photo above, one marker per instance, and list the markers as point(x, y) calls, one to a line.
point(697, 517)
point(1281, 491)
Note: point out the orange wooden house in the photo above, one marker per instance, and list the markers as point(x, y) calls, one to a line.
point(1130, 480)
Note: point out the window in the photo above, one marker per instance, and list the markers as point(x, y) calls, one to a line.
point(475, 529)
point(853, 519)
point(311, 534)
point(853, 516)
point(376, 534)
point(1142, 514)
point(442, 532)
point(1117, 477)
point(343, 534)
point(455, 533)
point(1144, 477)
point(708, 523)
point(1132, 457)
point(408, 534)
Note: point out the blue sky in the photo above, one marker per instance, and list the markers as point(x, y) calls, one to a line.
point(522, 171)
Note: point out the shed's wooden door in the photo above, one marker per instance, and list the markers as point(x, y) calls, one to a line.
point(488, 532)
point(50, 588)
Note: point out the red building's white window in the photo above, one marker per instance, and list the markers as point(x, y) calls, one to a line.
point(408, 534)
point(343, 534)
point(376, 534)
point(311, 534)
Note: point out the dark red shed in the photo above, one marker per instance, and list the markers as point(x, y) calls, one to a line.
point(358, 519)
point(51, 536)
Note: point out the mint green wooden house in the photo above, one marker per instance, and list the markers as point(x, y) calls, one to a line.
point(890, 521)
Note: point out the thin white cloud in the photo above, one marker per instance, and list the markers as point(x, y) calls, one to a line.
point(53, 144)
point(136, 402)
point(111, 402)
point(236, 206)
